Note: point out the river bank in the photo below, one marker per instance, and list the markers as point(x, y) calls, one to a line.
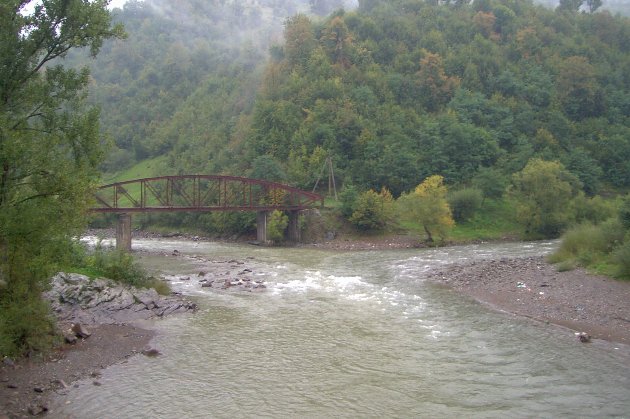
point(101, 322)
point(531, 287)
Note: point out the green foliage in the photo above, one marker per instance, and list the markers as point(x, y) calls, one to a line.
point(495, 222)
point(594, 210)
point(49, 149)
point(544, 191)
point(491, 182)
point(393, 91)
point(621, 258)
point(348, 198)
point(372, 211)
point(118, 265)
point(113, 264)
point(428, 205)
point(465, 203)
point(277, 223)
point(26, 327)
point(268, 168)
point(602, 247)
point(624, 212)
point(583, 243)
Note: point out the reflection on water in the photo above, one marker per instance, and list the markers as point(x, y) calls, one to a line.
point(352, 334)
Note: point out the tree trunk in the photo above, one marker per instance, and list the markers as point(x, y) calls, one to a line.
point(429, 236)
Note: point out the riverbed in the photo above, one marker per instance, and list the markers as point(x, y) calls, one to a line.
point(348, 334)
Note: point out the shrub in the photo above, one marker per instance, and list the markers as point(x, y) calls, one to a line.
point(594, 210)
point(581, 243)
point(276, 225)
point(491, 182)
point(465, 203)
point(373, 211)
point(25, 326)
point(118, 265)
point(348, 198)
point(624, 212)
point(621, 258)
point(121, 267)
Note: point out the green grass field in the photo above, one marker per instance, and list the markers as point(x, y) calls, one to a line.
point(143, 169)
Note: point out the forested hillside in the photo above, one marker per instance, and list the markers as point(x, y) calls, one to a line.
point(401, 90)
point(393, 91)
point(184, 80)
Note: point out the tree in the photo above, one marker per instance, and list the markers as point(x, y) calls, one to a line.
point(570, 5)
point(427, 205)
point(593, 5)
point(491, 182)
point(543, 191)
point(435, 86)
point(276, 225)
point(373, 211)
point(49, 150)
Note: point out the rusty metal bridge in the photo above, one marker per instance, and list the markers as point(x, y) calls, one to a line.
point(202, 193)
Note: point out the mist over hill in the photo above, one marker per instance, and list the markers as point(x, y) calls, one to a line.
point(393, 91)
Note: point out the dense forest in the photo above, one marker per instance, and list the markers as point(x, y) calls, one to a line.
point(393, 91)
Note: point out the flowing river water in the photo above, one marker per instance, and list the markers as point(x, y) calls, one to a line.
point(350, 334)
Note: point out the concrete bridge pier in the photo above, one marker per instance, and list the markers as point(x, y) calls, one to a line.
point(261, 226)
point(293, 229)
point(123, 233)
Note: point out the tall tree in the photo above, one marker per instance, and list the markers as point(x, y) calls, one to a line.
point(49, 147)
point(543, 191)
point(428, 205)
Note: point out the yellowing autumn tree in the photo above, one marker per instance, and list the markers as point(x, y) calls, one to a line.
point(428, 206)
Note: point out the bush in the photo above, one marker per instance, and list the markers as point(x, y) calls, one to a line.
point(25, 326)
point(586, 243)
point(624, 212)
point(594, 210)
point(118, 265)
point(276, 225)
point(465, 203)
point(621, 258)
point(373, 211)
point(348, 198)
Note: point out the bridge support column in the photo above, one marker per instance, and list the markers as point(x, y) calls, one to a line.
point(123, 233)
point(261, 226)
point(293, 229)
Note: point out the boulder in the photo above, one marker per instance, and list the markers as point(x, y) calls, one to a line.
point(150, 352)
point(80, 331)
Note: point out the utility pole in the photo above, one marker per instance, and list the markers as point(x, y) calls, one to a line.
point(332, 186)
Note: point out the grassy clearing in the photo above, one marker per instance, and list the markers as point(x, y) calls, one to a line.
point(143, 169)
point(494, 221)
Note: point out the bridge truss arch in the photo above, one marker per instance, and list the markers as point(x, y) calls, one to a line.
point(201, 193)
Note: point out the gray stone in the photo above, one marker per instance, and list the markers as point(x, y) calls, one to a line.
point(151, 352)
point(70, 338)
point(80, 331)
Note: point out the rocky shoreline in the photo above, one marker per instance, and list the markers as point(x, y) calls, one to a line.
point(588, 304)
point(99, 323)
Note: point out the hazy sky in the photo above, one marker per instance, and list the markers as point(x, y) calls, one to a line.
point(117, 3)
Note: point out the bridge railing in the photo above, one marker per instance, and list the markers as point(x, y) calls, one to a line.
point(201, 193)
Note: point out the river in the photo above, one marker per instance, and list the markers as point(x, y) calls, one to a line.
point(350, 334)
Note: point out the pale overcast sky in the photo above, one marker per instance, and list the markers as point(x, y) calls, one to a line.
point(117, 3)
